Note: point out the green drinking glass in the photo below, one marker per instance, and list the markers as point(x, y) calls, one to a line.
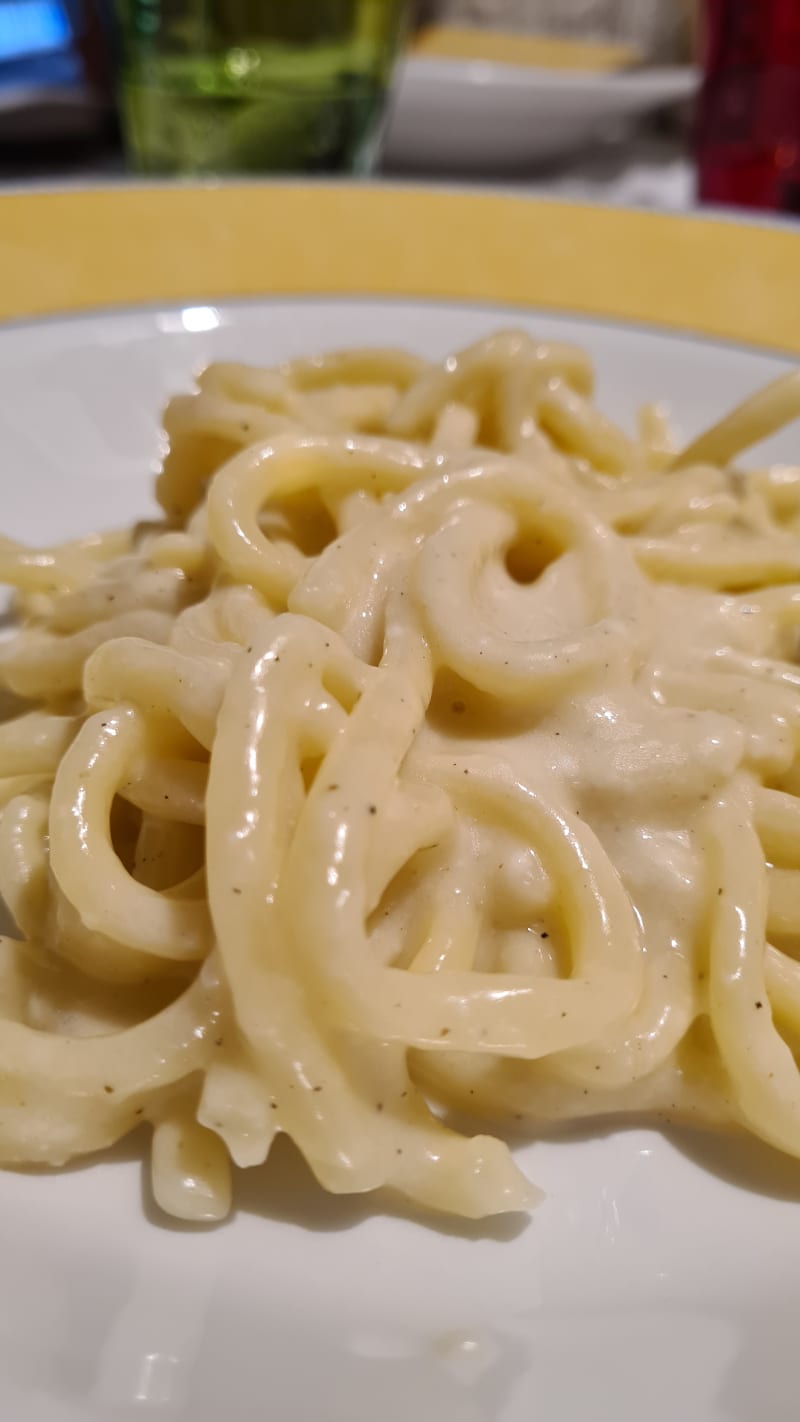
point(256, 86)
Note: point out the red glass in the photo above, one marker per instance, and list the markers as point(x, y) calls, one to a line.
point(749, 120)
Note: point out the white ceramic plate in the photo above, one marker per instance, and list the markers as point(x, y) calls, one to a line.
point(658, 1282)
point(475, 116)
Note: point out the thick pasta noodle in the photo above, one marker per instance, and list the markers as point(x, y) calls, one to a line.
point(435, 758)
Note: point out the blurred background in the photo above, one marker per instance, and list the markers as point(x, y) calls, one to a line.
point(655, 102)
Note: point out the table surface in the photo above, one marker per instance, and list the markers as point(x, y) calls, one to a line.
point(649, 171)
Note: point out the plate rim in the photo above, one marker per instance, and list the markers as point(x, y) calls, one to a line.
point(65, 250)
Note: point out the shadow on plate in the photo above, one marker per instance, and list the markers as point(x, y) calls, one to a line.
point(732, 1156)
point(285, 1190)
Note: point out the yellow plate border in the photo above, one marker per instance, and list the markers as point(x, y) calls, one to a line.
point(67, 251)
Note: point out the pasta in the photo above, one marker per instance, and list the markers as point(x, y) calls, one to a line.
point(431, 767)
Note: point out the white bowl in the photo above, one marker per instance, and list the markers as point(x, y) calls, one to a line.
point(473, 115)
